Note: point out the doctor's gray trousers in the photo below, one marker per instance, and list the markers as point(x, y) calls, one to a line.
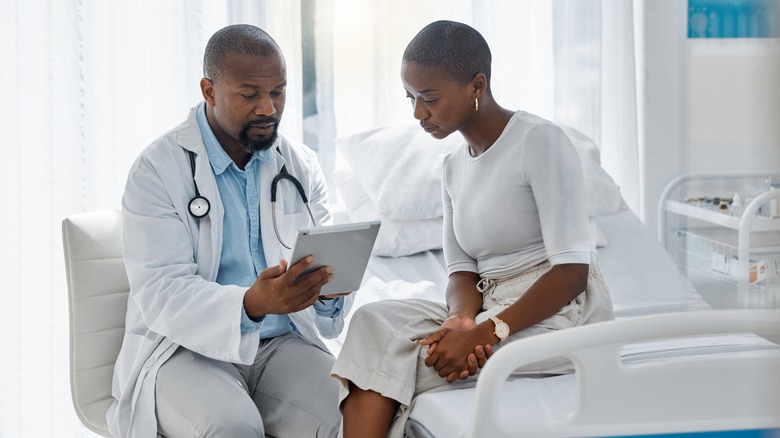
point(287, 392)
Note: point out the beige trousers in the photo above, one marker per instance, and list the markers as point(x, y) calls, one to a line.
point(381, 351)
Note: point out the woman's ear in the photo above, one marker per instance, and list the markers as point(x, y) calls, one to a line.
point(479, 84)
point(207, 89)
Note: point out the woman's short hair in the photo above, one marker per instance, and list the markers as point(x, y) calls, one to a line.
point(455, 48)
point(237, 39)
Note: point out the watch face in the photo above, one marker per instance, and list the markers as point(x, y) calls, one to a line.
point(502, 330)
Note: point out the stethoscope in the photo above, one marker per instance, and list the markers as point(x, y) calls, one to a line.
point(199, 206)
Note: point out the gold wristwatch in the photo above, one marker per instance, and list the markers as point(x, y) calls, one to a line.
point(502, 329)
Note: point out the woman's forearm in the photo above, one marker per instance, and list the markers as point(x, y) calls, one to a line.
point(463, 298)
point(552, 291)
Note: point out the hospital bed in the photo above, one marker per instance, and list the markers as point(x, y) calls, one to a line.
point(668, 363)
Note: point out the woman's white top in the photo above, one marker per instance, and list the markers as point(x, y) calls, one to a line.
point(519, 203)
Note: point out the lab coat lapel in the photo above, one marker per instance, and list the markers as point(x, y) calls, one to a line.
point(209, 227)
point(209, 241)
point(271, 246)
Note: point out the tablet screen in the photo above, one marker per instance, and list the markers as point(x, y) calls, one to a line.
point(344, 247)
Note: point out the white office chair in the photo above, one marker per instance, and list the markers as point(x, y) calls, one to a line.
point(97, 297)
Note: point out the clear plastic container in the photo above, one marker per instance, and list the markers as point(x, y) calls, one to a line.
point(774, 204)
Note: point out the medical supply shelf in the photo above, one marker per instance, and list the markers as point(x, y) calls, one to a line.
point(759, 223)
point(740, 249)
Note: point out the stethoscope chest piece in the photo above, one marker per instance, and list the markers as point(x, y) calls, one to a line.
point(199, 207)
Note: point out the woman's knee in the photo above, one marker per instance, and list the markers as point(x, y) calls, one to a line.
point(369, 311)
point(382, 310)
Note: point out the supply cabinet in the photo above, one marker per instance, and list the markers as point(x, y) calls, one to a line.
point(723, 230)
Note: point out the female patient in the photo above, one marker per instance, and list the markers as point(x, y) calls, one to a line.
point(516, 242)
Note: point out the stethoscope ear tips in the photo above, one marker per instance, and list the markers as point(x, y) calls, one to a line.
point(199, 207)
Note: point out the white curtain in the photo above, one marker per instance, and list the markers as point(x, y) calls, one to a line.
point(570, 61)
point(89, 83)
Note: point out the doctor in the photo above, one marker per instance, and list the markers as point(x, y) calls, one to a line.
point(220, 341)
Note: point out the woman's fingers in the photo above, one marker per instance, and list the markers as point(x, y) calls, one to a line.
point(454, 376)
point(433, 337)
point(473, 363)
point(480, 356)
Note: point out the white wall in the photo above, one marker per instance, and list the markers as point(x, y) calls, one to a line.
point(734, 104)
point(704, 104)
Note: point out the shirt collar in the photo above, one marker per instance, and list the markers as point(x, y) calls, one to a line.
point(218, 158)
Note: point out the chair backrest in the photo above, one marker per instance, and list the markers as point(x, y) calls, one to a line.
point(97, 297)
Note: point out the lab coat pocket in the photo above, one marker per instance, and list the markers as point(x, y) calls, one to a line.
point(291, 223)
point(290, 198)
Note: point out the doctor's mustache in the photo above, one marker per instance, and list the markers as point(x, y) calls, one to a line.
point(262, 143)
point(261, 121)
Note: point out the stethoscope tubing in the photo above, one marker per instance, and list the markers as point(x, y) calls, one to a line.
point(198, 210)
point(276, 228)
point(283, 174)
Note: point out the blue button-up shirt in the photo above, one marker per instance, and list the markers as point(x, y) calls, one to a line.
point(242, 257)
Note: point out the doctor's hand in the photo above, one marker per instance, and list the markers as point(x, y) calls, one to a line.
point(276, 292)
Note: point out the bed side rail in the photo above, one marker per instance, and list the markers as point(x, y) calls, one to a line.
point(727, 392)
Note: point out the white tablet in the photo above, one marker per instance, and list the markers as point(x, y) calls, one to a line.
point(344, 247)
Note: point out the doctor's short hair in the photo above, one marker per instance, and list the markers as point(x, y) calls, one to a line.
point(455, 48)
point(237, 39)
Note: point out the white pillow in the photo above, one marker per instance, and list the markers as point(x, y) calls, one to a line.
point(396, 238)
point(401, 238)
point(597, 236)
point(399, 168)
point(603, 194)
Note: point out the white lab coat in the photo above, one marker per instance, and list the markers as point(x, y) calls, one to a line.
point(172, 260)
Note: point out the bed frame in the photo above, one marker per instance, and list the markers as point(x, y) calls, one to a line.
point(724, 392)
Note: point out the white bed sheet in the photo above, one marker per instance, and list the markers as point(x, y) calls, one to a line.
point(641, 277)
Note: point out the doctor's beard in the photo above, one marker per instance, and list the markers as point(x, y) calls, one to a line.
point(262, 143)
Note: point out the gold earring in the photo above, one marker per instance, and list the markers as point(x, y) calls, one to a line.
point(476, 104)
